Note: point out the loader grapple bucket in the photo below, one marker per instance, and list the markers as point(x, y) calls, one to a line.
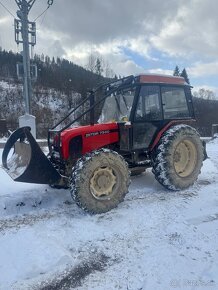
point(27, 163)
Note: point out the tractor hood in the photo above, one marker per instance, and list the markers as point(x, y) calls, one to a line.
point(93, 137)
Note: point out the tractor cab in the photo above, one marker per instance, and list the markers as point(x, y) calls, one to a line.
point(147, 98)
point(147, 103)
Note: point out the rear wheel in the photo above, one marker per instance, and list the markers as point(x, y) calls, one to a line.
point(178, 158)
point(100, 181)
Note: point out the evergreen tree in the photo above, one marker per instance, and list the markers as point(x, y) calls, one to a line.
point(53, 73)
point(53, 61)
point(58, 61)
point(98, 67)
point(185, 76)
point(176, 71)
point(42, 58)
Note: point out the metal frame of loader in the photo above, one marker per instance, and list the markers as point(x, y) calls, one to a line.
point(110, 88)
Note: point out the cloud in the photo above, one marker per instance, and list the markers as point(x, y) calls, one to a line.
point(176, 32)
point(112, 53)
point(4, 20)
point(191, 32)
point(124, 66)
point(200, 69)
point(5, 34)
point(160, 71)
point(99, 21)
point(123, 23)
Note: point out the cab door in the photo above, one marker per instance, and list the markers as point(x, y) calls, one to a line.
point(147, 116)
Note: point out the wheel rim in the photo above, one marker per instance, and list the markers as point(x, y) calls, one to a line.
point(185, 158)
point(102, 183)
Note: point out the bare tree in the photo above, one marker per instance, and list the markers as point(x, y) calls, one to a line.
point(91, 62)
point(205, 94)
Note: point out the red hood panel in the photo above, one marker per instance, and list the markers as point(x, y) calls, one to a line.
point(93, 137)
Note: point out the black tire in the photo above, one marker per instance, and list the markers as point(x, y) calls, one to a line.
point(100, 181)
point(178, 157)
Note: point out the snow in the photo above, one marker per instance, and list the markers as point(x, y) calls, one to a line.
point(3, 139)
point(15, 169)
point(6, 85)
point(155, 239)
point(49, 105)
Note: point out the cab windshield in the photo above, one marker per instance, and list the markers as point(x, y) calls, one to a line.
point(117, 107)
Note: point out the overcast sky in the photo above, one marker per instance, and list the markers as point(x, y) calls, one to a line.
point(133, 36)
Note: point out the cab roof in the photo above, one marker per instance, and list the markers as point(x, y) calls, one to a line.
point(166, 79)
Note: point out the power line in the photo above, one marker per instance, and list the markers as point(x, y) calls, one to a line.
point(43, 18)
point(49, 2)
point(7, 9)
point(41, 14)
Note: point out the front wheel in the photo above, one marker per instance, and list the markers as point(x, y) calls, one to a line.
point(178, 158)
point(100, 181)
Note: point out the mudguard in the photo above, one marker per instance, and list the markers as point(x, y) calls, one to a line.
point(28, 163)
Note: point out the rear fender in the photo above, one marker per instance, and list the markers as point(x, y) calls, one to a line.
point(165, 128)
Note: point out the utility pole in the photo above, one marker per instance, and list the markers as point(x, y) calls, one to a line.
point(25, 33)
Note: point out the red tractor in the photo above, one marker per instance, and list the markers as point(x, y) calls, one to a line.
point(142, 123)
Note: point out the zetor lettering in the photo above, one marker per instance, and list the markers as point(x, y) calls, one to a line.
point(97, 133)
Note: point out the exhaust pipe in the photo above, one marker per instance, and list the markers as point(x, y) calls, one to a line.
point(28, 163)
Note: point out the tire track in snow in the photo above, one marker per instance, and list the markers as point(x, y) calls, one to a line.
point(28, 219)
point(16, 222)
point(203, 219)
point(25, 220)
point(74, 277)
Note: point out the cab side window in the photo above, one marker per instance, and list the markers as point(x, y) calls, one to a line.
point(174, 103)
point(148, 107)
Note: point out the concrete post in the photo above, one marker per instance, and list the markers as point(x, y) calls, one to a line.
point(28, 120)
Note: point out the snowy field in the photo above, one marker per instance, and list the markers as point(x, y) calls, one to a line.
point(155, 239)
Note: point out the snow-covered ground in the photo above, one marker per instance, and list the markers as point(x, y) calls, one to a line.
point(155, 239)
